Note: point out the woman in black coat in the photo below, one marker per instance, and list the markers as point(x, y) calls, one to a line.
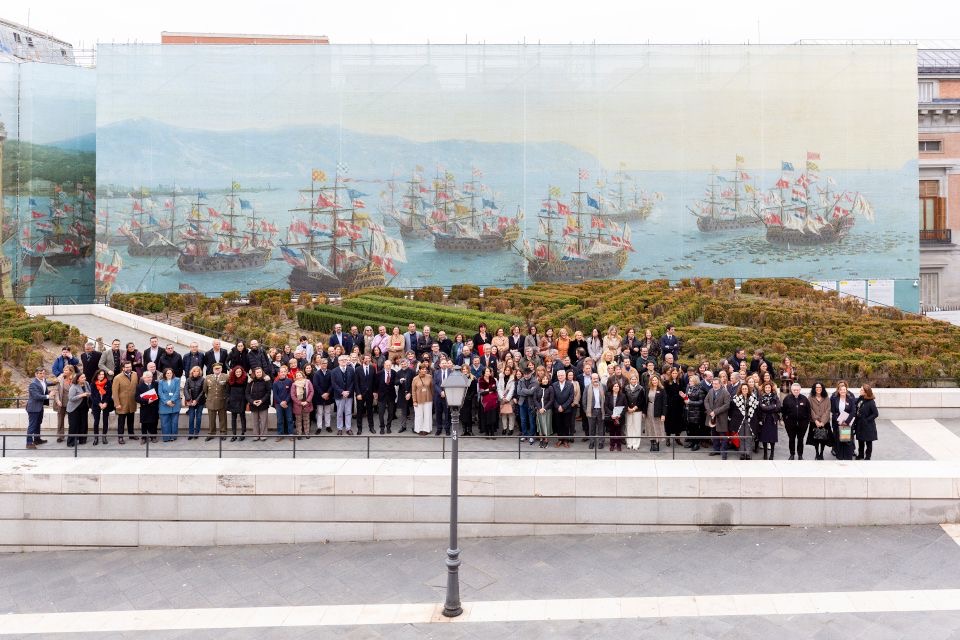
point(673, 405)
point(842, 401)
point(469, 408)
point(616, 398)
point(743, 406)
point(101, 401)
point(238, 357)
point(769, 418)
point(237, 401)
point(693, 411)
point(866, 423)
point(149, 408)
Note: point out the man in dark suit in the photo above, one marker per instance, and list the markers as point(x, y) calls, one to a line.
point(386, 396)
point(425, 343)
point(152, 353)
point(323, 396)
point(343, 384)
point(563, 415)
point(446, 344)
point(366, 386)
point(36, 401)
point(170, 359)
point(338, 338)
point(89, 361)
point(215, 355)
point(192, 358)
point(404, 382)
point(440, 406)
point(669, 343)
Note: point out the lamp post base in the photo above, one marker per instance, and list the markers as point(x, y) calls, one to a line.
point(452, 608)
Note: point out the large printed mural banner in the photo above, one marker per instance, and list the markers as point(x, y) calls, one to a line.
point(328, 167)
point(48, 177)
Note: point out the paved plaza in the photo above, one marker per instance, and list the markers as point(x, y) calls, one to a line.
point(872, 582)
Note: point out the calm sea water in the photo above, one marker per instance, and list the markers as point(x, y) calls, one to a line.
point(668, 244)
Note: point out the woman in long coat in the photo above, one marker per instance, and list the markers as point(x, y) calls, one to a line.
point(743, 407)
point(842, 402)
point(636, 397)
point(673, 406)
point(693, 410)
point(653, 412)
point(820, 434)
point(866, 423)
point(769, 418)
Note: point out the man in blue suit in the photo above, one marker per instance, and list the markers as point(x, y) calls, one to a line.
point(343, 383)
point(366, 387)
point(36, 401)
point(440, 406)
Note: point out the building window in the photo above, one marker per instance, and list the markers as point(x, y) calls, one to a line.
point(931, 146)
point(63, 53)
point(929, 291)
point(927, 91)
point(29, 41)
point(933, 218)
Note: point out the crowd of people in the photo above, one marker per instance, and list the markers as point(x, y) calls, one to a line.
point(623, 390)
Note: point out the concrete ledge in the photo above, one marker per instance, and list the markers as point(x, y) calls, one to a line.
point(68, 502)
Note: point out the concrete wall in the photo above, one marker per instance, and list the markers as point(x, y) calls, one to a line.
point(117, 502)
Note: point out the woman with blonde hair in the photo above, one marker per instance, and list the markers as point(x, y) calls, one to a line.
point(654, 414)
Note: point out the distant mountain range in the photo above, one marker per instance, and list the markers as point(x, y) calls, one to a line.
point(86, 143)
point(148, 152)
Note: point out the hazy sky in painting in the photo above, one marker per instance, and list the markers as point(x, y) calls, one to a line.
point(649, 107)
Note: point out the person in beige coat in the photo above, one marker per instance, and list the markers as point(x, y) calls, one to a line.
point(215, 390)
point(422, 396)
point(59, 395)
point(125, 399)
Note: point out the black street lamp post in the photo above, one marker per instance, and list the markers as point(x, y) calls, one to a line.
point(454, 387)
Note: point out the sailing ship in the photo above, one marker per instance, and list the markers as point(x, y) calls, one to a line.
point(231, 240)
point(802, 213)
point(462, 227)
point(620, 204)
point(62, 237)
point(729, 203)
point(573, 245)
point(148, 236)
point(414, 211)
point(337, 246)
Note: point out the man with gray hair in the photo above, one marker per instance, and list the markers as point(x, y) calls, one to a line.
point(795, 410)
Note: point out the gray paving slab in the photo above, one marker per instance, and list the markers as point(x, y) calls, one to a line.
point(764, 560)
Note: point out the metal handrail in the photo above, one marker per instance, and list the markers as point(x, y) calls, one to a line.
point(6, 440)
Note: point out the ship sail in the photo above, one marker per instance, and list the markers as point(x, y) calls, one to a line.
point(799, 211)
point(337, 246)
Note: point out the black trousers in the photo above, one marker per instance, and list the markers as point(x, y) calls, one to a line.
point(796, 434)
point(98, 415)
point(365, 408)
point(77, 426)
point(148, 428)
point(385, 411)
point(864, 449)
point(125, 418)
point(243, 422)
